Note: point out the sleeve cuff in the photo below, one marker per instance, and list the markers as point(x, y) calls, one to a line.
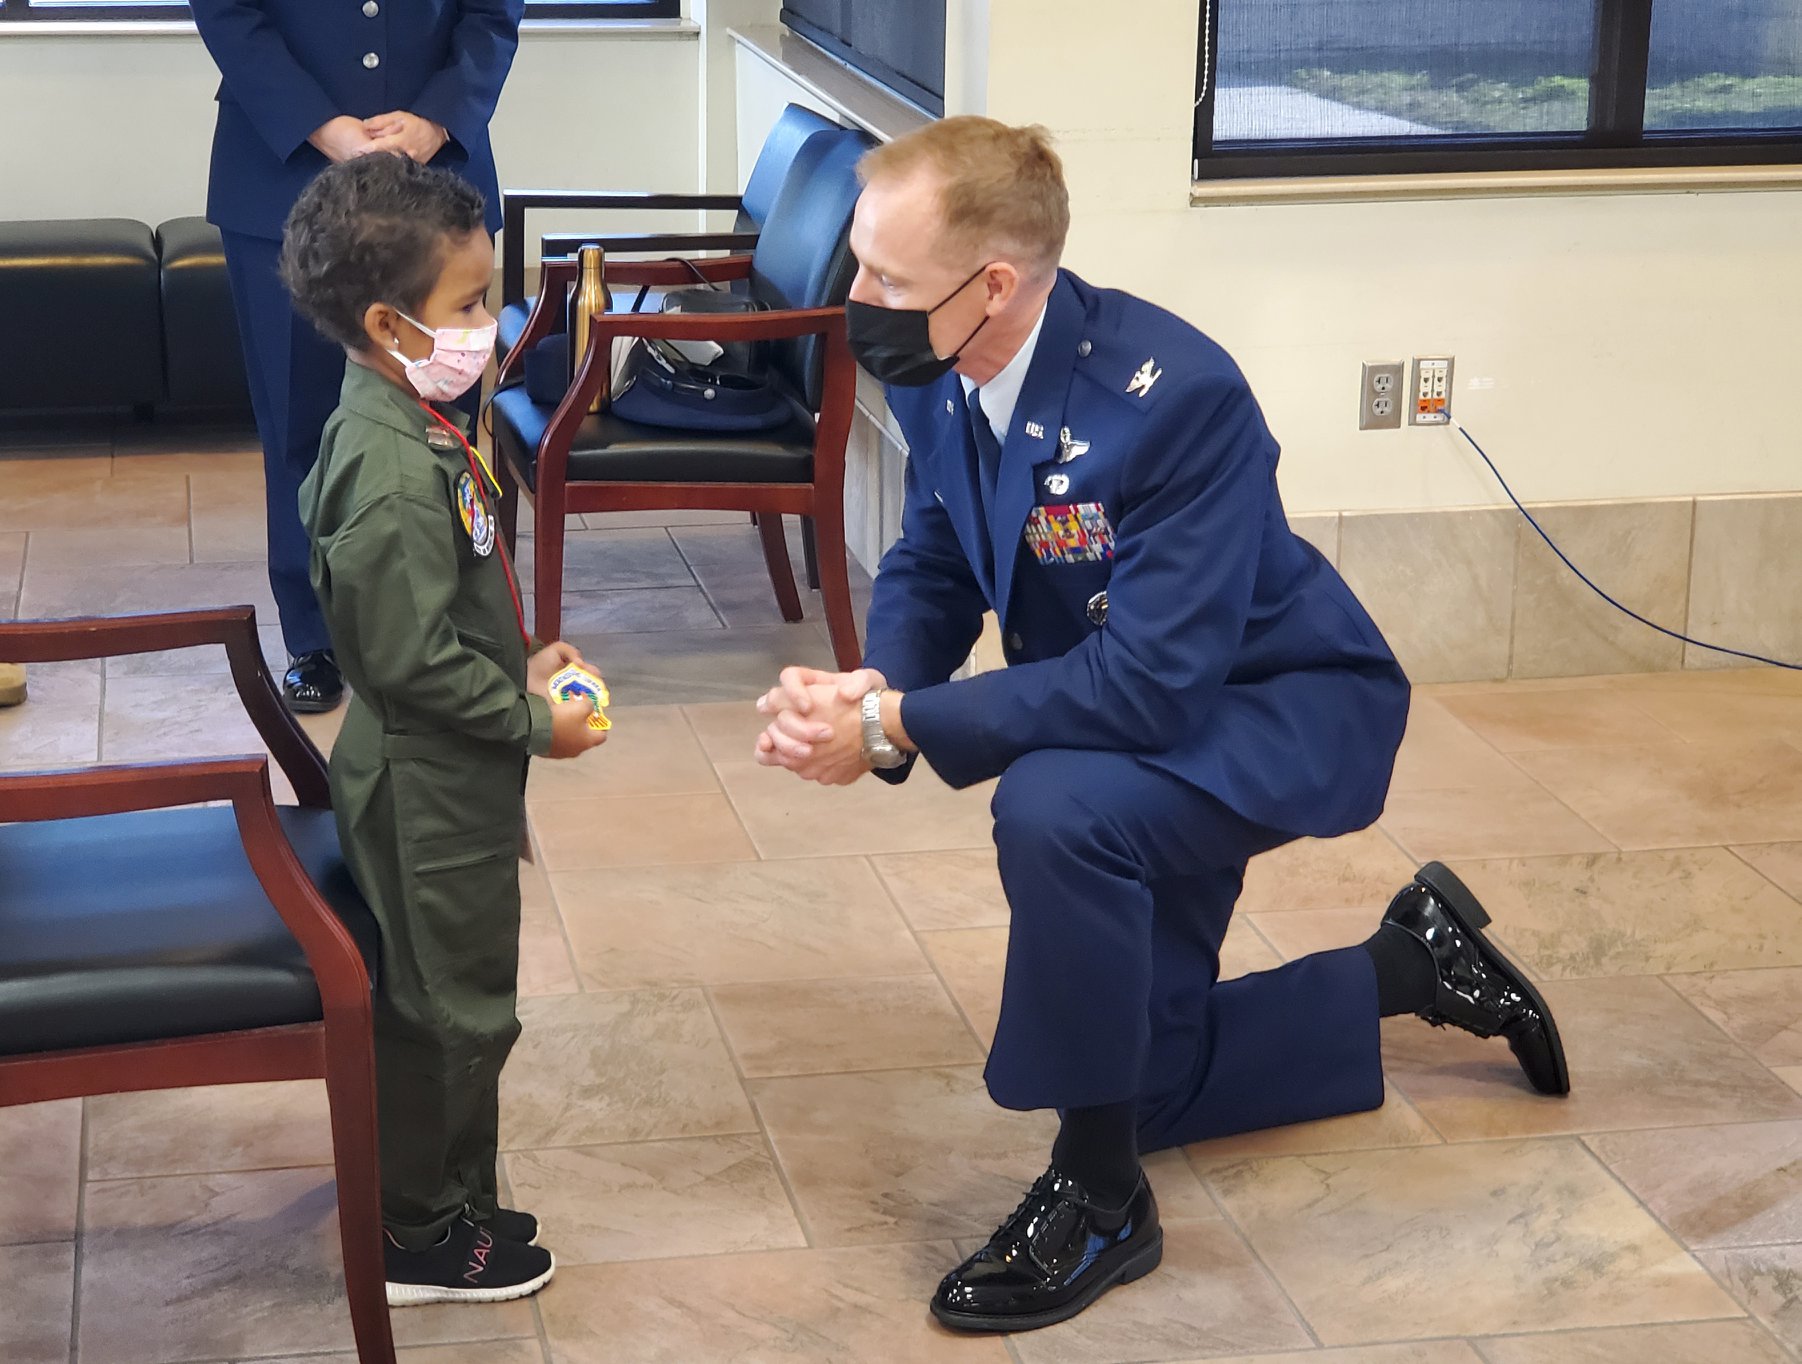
point(538, 741)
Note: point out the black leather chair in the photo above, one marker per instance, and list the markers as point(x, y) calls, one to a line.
point(202, 355)
point(792, 129)
point(571, 461)
point(144, 946)
point(85, 296)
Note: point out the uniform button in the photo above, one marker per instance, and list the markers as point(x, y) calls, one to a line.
point(1014, 641)
point(371, 9)
point(1084, 349)
point(1097, 609)
point(371, 61)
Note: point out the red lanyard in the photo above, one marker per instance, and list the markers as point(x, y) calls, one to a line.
point(478, 468)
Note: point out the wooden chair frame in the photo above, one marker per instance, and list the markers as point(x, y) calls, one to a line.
point(555, 495)
point(339, 1047)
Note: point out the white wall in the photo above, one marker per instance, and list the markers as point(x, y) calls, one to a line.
point(122, 126)
point(1627, 346)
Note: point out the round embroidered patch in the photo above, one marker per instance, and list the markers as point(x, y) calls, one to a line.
point(476, 520)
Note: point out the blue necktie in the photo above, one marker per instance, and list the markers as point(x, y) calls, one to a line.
point(988, 449)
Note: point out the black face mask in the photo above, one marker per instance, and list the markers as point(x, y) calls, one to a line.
point(895, 344)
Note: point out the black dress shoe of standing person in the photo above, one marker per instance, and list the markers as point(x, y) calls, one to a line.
point(1479, 990)
point(1051, 1259)
point(313, 684)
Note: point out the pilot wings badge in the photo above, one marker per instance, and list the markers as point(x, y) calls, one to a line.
point(1069, 447)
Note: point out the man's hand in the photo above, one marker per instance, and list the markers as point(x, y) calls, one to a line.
point(408, 134)
point(343, 139)
point(831, 753)
point(571, 734)
point(547, 663)
point(794, 689)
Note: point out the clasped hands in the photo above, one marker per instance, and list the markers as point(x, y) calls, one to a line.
point(346, 138)
point(816, 724)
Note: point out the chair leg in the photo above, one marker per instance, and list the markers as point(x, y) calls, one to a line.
point(509, 502)
point(775, 558)
point(350, 1089)
point(810, 552)
point(547, 571)
point(835, 583)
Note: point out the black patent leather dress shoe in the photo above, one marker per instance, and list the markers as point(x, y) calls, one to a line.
point(313, 684)
point(1479, 989)
point(1051, 1259)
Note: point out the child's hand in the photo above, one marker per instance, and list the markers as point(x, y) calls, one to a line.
point(547, 663)
point(571, 734)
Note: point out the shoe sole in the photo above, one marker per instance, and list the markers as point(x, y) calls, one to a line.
point(420, 1294)
point(1142, 1263)
point(312, 707)
point(1473, 919)
point(12, 696)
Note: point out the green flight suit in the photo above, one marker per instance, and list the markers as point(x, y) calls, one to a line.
point(426, 780)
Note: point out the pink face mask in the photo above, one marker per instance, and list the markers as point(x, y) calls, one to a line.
point(459, 357)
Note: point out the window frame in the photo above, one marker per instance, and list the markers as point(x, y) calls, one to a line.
point(868, 66)
point(563, 11)
point(1615, 139)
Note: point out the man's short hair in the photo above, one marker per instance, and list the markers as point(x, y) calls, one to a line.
point(375, 229)
point(1002, 188)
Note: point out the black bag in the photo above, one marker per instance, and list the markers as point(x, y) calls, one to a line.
point(701, 386)
point(681, 385)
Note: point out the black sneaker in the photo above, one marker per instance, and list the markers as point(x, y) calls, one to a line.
point(511, 1225)
point(471, 1264)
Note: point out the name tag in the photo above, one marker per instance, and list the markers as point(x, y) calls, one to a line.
point(1071, 533)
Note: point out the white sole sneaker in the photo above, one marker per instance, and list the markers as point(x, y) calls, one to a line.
point(420, 1294)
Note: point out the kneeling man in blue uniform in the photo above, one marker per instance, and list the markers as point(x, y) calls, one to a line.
point(1188, 685)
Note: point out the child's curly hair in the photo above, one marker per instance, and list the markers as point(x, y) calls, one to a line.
point(372, 230)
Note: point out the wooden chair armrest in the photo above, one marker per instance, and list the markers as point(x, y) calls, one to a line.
point(332, 953)
point(234, 627)
point(545, 319)
point(777, 324)
point(515, 203)
point(675, 273)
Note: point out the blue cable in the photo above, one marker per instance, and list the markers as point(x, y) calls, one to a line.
point(1590, 584)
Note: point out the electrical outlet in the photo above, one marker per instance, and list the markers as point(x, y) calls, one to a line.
point(1380, 399)
point(1432, 391)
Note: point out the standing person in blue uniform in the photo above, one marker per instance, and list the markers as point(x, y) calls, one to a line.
point(307, 83)
point(1188, 685)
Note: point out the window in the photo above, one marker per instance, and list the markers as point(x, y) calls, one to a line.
point(116, 11)
point(1336, 87)
point(897, 43)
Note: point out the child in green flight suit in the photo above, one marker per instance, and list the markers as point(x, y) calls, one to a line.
point(391, 260)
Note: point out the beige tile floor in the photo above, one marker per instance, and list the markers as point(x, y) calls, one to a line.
point(748, 1102)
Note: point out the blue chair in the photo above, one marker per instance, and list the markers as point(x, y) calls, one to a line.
point(784, 142)
point(571, 461)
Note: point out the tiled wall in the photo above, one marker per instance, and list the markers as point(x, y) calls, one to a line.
point(1475, 595)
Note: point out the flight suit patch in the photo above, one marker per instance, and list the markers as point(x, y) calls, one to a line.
point(1071, 533)
point(476, 520)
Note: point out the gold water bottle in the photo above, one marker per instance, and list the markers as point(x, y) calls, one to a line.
point(592, 296)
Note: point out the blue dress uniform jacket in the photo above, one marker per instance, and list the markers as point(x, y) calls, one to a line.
point(1137, 487)
point(1189, 685)
point(290, 66)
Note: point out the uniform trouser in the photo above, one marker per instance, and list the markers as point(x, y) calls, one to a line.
point(1122, 880)
point(437, 859)
point(295, 375)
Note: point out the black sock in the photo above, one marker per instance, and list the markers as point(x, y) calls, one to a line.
point(1099, 1148)
point(1407, 979)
